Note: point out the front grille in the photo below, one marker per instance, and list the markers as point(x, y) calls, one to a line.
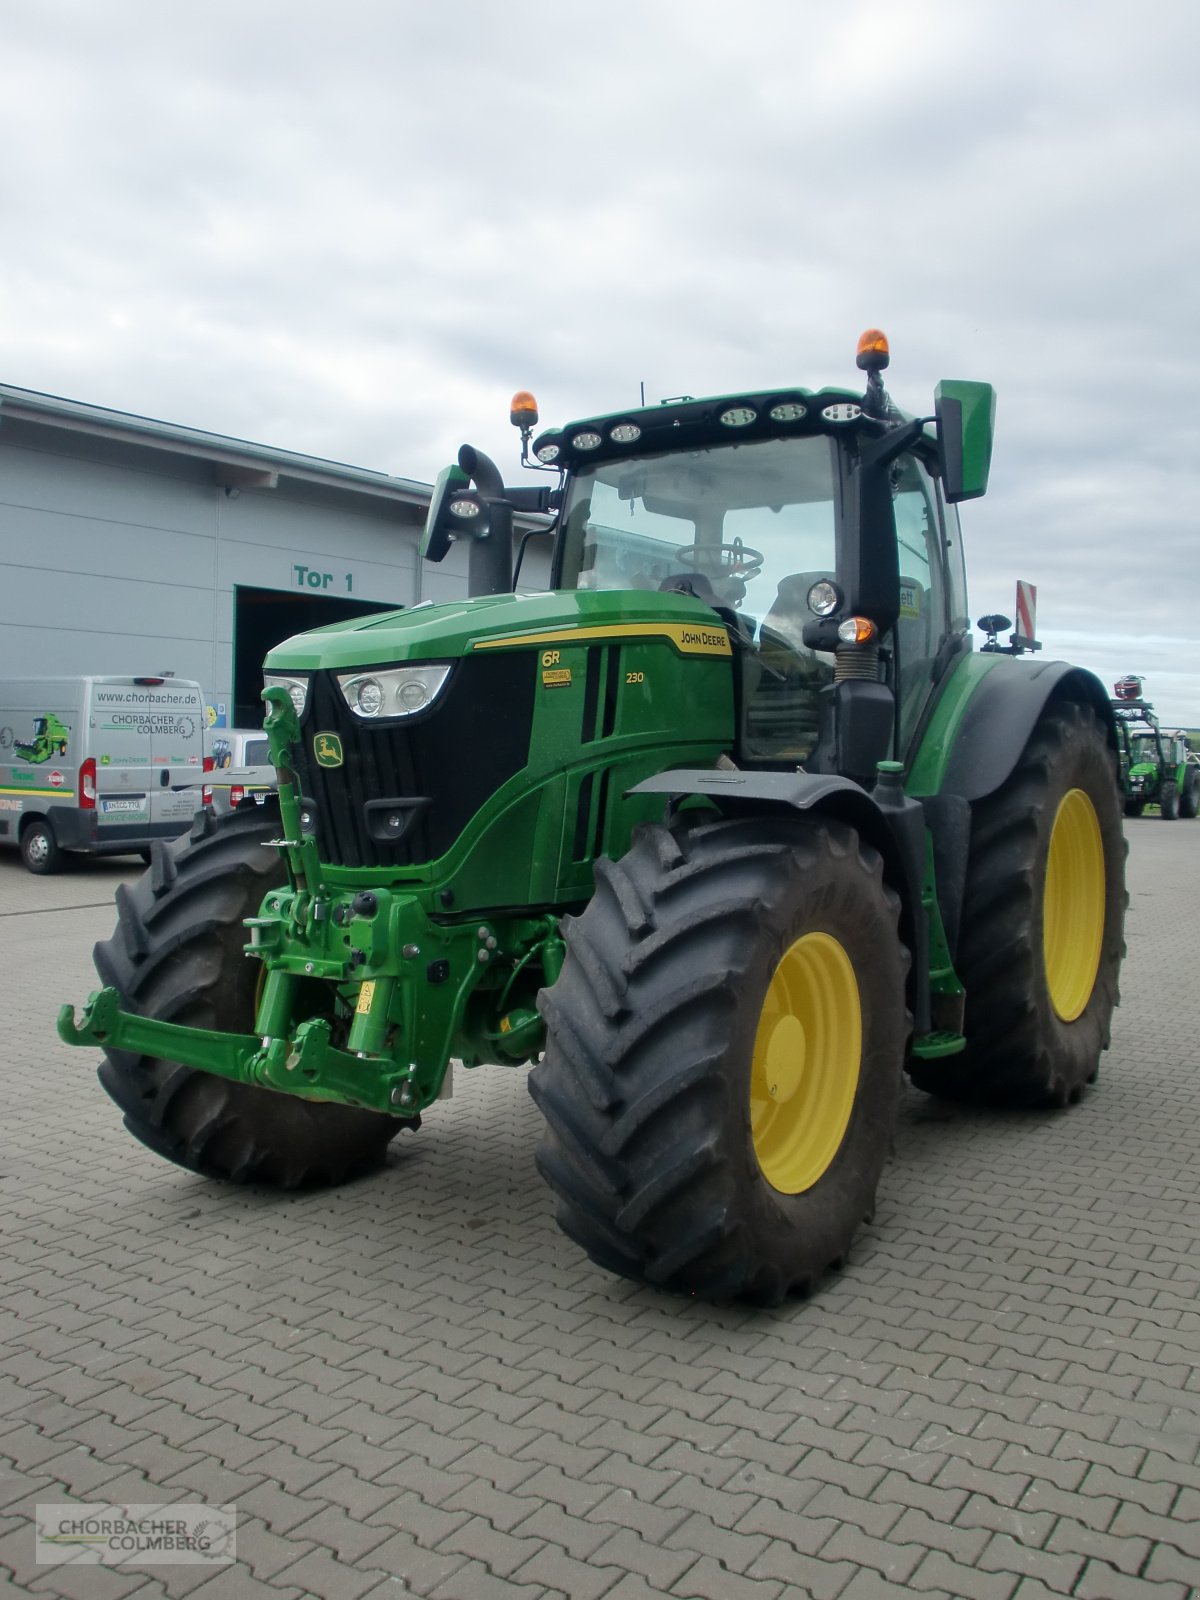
point(456, 754)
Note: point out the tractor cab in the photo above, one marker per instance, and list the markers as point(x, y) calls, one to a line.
point(762, 530)
point(818, 528)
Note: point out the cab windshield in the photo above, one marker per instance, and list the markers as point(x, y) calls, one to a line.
point(752, 525)
point(747, 528)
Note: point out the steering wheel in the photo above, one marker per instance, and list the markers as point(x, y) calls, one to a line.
point(732, 560)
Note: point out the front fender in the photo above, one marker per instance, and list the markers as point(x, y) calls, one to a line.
point(734, 792)
point(899, 842)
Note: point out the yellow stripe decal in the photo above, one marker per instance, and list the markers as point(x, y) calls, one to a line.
point(690, 639)
point(63, 790)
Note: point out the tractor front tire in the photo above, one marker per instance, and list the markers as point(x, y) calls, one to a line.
point(1043, 912)
point(1134, 808)
point(177, 955)
point(1168, 802)
point(724, 1056)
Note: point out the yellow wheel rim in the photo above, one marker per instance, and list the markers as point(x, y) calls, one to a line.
point(1073, 907)
point(807, 1053)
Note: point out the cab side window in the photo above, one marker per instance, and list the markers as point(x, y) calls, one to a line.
point(956, 568)
point(924, 610)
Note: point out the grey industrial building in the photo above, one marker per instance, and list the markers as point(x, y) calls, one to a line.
point(129, 545)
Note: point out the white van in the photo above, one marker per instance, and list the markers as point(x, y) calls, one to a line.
point(241, 768)
point(101, 765)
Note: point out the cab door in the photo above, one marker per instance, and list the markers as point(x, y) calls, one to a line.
point(925, 562)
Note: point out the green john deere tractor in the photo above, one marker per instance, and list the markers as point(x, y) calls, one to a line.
point(1153, 761)
point(725, 831)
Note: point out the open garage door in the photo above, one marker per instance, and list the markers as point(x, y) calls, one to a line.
point(261, 618)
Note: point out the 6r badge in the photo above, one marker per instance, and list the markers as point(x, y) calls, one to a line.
point(327, 748)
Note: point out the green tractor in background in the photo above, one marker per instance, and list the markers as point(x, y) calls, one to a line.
point(1154, 768)
point(725, 832)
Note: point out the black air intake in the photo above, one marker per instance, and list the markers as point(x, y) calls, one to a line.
point(452, 757)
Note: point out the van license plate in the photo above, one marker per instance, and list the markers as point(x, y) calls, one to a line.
point(111, 806)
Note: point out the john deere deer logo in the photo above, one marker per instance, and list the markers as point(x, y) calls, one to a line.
point(327, 748)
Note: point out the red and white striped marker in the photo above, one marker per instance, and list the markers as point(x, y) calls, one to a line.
point(1026, 609)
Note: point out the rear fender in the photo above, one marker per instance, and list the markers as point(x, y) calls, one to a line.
point(981, 723)
point(984, 717)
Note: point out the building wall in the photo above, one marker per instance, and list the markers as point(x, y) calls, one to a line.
point(118, 556)
point(115, 559)
point(105, 568)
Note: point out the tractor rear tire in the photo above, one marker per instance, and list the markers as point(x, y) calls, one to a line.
point(1043, 913)
point(178, 955)
point(724, 1056)
point(1189, 797)
point(1168, 802)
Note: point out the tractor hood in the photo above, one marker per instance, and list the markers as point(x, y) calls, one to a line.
point(431, 632)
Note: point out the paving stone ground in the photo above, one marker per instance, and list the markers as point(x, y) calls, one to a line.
point(417, 1386)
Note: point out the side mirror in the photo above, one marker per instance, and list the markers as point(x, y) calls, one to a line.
point(966, 423)
point(440, 527)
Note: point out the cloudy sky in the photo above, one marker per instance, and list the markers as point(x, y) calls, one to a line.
point(354, 229)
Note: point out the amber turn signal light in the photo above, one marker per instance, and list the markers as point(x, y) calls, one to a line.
point(856, 630)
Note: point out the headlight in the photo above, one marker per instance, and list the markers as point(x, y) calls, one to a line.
point(297, 688)
point(368, 697)
point(400, 692)
point(824, 598)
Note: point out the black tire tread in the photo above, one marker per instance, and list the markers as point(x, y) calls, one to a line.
point(177, 955)
point(632, 1087)
point(1018, 1054)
